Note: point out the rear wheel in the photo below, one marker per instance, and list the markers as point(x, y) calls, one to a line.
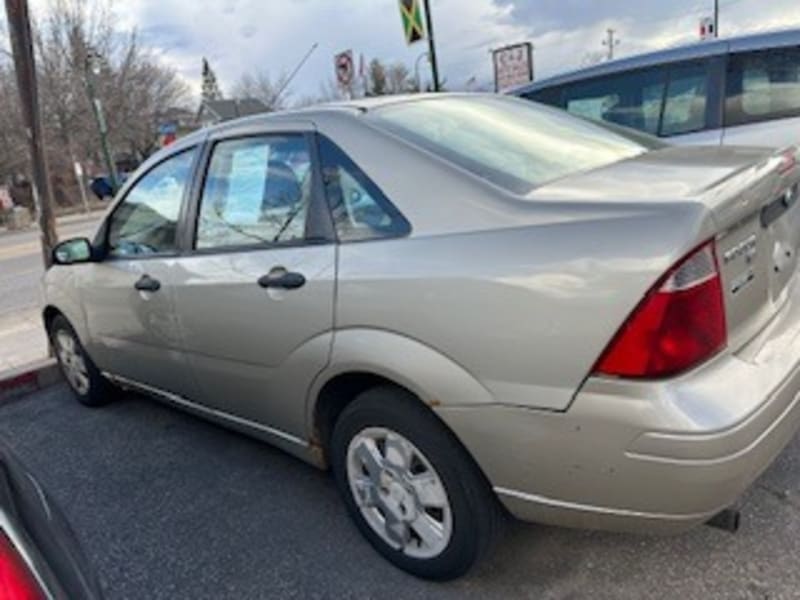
point(83, 377)
point(410, 487)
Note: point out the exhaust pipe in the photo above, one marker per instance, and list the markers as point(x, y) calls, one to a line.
point(727, 520)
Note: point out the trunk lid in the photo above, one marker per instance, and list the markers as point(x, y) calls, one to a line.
point(753, 197)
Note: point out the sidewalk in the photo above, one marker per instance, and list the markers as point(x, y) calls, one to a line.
point(22, 338)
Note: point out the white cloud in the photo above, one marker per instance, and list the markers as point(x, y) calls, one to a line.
point(248, 35)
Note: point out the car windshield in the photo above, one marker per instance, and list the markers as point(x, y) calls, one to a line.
point(516, 144)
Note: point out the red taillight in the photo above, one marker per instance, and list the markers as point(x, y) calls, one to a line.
point(679, 324)
point(16, 580)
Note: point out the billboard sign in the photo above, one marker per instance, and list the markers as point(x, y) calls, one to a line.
point(513, 65)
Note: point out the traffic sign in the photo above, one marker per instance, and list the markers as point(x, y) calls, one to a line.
point(344, 68)
point(412, 21)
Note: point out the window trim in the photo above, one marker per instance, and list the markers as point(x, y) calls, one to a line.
point(105, 232)
point(382, 199)
point(727, 121)
point(316, 230)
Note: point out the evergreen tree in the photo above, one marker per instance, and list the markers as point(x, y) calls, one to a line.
point(211, 90)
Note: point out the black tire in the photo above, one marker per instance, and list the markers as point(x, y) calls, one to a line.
point(99, 391)
point(476, 513)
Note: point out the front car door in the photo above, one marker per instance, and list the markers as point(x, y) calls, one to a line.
point(255, 292)
point(127, 296)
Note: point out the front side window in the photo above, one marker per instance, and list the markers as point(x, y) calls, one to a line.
point(146, 221)
point(360, 210)
point(763, 85)
point(513, 143)
point(685, 103)
point(256, 191)
point(631, 99)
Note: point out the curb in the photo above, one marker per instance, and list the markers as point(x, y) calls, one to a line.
point(28, 379)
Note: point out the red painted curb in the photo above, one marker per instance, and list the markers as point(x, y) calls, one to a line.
point(28, 379)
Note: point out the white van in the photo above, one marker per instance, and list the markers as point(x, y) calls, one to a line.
point(738, 91)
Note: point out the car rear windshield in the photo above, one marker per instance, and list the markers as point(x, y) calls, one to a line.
point(515, 144)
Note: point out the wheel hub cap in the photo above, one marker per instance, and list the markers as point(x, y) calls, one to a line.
point(399, 493)
point(72, 362)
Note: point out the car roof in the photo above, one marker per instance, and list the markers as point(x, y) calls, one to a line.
point(772, 39)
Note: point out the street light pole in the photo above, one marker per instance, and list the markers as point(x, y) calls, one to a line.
point(716, 18)
point(92, 66)
point(431, 46)
point(25, 66)
point(416, 70)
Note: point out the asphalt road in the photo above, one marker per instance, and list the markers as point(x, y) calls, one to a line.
point(169, 506)
point(21, 264)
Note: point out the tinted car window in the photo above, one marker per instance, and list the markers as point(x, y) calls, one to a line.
point(630, 99)
point(685, 103)
point(513, 143)
point(360, 210)
point(146, 220)
point(763, 85)
point(256, 191)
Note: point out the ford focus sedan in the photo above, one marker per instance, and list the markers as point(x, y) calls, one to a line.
point(464, 305)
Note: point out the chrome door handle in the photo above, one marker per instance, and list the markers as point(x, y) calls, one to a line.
point(147, 284)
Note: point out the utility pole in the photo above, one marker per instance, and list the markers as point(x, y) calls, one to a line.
point(716, 18)
point(93, 68)
point(610, 42)
point(19, 27)
point(431, 46)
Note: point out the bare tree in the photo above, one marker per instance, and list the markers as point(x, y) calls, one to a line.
point(137, 91)
point(272, 92)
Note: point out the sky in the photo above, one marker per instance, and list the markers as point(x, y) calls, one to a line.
point(239, 36)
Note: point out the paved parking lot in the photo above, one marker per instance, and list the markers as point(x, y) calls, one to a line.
point(169, 506)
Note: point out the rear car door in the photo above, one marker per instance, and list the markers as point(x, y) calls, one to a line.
point(255, 291)
point(127, 296)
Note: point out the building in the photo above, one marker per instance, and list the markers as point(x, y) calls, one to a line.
point(215, 111)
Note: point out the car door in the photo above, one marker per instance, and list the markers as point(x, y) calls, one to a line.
point(255, 294)
point(127, 296)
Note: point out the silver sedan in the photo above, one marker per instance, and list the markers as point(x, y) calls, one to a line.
point(465, 305)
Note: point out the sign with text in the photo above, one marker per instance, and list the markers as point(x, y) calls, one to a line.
point(513, 65)
point(343, 63)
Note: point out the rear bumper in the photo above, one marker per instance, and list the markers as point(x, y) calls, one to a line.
point(645, 456)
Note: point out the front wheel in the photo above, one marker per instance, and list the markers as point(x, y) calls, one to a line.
point(410, 487)
point(83, 377)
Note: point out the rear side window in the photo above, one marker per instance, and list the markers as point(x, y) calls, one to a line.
point(256, 191)
point(630, 99)
point(763, 85)
point(359, 209)
point(685, 101)
point(666, 100)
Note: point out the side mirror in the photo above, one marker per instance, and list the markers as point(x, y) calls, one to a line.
point(70, 252)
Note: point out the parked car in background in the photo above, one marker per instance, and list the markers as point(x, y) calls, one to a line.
point(40, 558)
point(457, 302)
point(738, 91)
